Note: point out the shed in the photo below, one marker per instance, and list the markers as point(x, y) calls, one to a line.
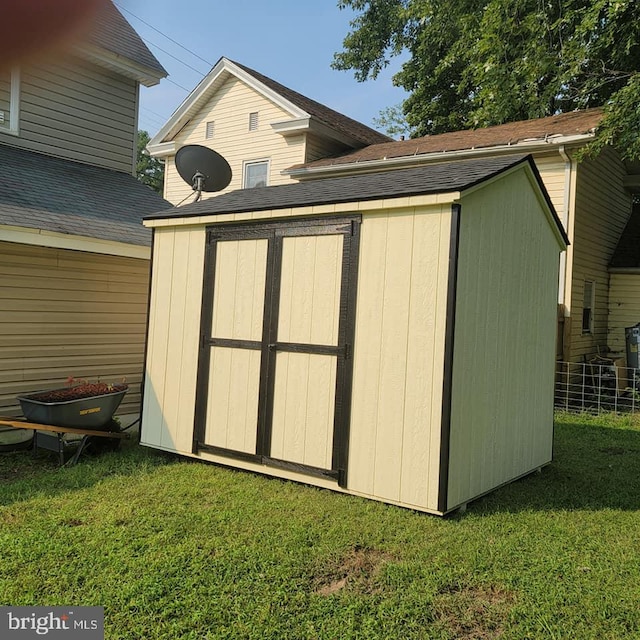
point(386, 335)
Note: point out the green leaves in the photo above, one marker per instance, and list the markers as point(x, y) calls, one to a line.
point(478, 63)
point(149, 170)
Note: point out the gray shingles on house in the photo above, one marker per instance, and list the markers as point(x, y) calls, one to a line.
point(42, 192)
point(110, 31)
point(436, 178)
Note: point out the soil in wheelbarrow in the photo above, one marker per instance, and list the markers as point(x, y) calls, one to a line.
point(77, 392)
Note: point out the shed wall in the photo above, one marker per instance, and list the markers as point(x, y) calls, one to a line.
point(69, 313)
point(398, 356)
point(72, 109)
point(504, 344)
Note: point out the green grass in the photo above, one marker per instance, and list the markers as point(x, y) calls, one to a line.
point(177, 549)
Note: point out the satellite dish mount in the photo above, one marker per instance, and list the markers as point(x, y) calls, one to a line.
point(203, 169)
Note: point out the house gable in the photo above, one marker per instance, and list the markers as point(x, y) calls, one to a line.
point(289, 127)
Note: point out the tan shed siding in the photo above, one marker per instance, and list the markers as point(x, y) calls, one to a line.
point(69, 313)
point(624, 307)
point(504, 344)
point(604, 207)
point(400, 327)
point(318, 147)
point(174, 330)
point(76, 110)
point(229, 108)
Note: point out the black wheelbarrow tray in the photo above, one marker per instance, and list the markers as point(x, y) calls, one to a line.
point(90, 417)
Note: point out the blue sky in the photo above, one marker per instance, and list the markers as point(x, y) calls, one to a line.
point(291, 41)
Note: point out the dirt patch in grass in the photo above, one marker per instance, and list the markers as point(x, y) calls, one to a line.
point(357, 570)
point(473, 613)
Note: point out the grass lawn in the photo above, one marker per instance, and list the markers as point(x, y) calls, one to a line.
point(178, 549)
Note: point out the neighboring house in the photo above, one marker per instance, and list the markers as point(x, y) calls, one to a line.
point(74, 257)
point(593, 199)
point(260, 126)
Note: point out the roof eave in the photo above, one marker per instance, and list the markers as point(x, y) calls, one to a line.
point(120, 64)
point(406, 161)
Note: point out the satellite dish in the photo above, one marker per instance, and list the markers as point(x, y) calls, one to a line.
point(202, 168)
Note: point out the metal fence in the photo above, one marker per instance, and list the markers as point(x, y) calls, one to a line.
point(597, 386)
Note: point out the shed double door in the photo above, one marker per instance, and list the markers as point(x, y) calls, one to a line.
point(274, 372)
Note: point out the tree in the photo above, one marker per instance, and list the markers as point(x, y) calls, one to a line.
point(483, 62)
point(149, 170)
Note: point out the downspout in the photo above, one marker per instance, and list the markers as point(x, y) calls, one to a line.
point(566, 258)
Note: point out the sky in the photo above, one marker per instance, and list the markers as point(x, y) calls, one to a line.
point(290, 41)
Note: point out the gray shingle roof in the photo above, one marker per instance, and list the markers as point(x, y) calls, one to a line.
point(111, 31)
point(435, 178)
point(41, 192)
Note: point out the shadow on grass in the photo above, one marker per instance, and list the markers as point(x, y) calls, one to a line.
point(24, 476)
point(594, 467)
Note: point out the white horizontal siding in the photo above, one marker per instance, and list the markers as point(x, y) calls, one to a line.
point(72, 109)
point(69, 313)
point(229, 108)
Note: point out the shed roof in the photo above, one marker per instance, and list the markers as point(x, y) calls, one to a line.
point(429, 179)
point(41, 192)
point(575, 123)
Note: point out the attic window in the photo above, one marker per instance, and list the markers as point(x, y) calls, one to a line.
point(210, 129)
point(10, 100)
point(253, 121)
point(256, 174)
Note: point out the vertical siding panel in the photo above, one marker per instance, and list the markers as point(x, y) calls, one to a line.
point(154, 430)
point(393, 348)
point(190, 340)
point(367, 354)
point(419, 459)
point(502, 404)
point(175, 336)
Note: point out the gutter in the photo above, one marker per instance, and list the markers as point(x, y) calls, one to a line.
point(417, 159)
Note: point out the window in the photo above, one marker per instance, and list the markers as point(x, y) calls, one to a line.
point(9, 100)
point(210, 129)
point(588, 305)
point(256, 174)
point(253, 121)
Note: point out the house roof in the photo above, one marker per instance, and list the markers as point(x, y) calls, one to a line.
point(354, 133)
point(627, 253)
point(111, 33)
point(326, 115)
point(429, 179)
point(42, 192)
point(541, 130)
